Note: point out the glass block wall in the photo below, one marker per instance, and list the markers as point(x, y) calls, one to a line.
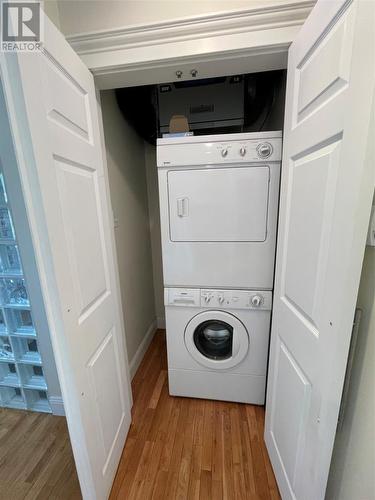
point(22, 382)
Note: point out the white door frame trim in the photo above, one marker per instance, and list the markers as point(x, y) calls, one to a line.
point(144, 54)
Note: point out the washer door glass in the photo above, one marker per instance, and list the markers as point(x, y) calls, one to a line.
point(214, 339)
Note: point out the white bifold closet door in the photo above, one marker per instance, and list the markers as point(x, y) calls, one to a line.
point(326, 193)
point(54, 117)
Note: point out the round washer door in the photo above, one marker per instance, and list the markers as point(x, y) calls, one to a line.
point(216, 339)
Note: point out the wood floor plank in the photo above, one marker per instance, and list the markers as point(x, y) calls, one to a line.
point(127, 478)
point(260, 474)
point(157, 390)
point(173, 429)
point(228, 472)
point(160, 485)
point(159, 427)
point(36, 459)
point(208, 430)
point(217, 489)
point(182, 448)
point(174, 465)
point(126, 457)
point(218, 450)
point(48, 478)
point(152, 470)
point(195, 471)
point(187, 453)
point(205, 490)
point(247, 459)
point(198, 422)
point(236, 440)
point(141, 471)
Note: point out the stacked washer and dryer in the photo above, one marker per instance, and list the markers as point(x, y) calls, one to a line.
point(219, 205)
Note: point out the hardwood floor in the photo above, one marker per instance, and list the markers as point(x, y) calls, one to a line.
point(36, 460)
point(176, 448)
point(189, 448)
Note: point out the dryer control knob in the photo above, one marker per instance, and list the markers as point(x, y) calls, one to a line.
point(264, 150)
point(220, 298)
point(256, 300)
point(224, 152)
point(242, 151)
point(207, 297)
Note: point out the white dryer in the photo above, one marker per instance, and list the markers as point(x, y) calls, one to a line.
point(217, 343)
point(218, 206)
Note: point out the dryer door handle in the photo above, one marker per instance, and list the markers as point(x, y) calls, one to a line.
point(182, 207)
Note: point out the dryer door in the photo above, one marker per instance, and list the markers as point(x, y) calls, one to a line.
point(216, 339)
point(219, 204)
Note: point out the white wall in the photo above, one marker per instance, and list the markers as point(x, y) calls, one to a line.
point(51, 8)
point(88, 15)
point(352, 475)
point(154, 211)
point(128, 186)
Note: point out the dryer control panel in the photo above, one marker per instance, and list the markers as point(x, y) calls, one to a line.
point(244, 148)
point(219, 299)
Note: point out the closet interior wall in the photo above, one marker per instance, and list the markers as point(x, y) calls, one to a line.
point(126, 162)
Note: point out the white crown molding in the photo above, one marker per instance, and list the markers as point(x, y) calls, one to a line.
point(282, 15)
point(227, 43)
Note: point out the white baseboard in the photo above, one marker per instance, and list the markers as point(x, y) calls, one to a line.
point(141, 351)
point(160, 321)
point(57, 405)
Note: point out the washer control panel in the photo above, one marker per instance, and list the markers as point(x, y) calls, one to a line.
point(218, 299)
point(236, 299)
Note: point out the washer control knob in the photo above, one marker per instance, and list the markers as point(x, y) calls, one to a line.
point(242, 151)
point(207, 297)
point(256, 300)
point(224, 152)
point(264, 149)
point(220, 298)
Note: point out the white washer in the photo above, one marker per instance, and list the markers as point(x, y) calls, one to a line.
point(217, 343)
point(218, 206)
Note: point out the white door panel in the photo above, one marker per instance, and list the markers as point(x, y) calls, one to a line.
point(221, 204)
point(69, 182)
point(326, 195)
point(311, 190)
